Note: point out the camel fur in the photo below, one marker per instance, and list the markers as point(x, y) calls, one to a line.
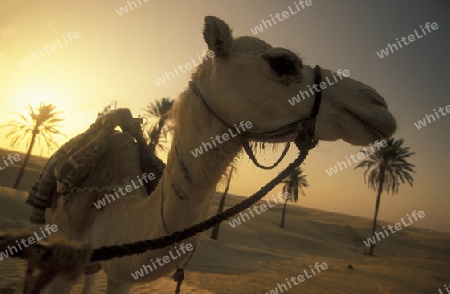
point(247, 80)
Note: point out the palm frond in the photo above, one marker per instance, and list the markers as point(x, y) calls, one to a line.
point(294, 183)
point(41, 122)
point(157, 132)
point(393, 160)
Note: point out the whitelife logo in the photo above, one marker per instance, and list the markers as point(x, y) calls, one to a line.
point(162, 261)
point(262, 207)
point(423, 123)
point(411, 38)
point(300, 278)
point(341, 164)
point(128, 189)
point(183, 68)
point(45, 232)
point(281, 16)
point(318, 88)
point(124, 9)
point(53, 47)
point(11, 158)
point(243, 125)
point(397, 227)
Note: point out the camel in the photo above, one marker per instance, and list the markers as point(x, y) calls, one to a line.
point(246, 80)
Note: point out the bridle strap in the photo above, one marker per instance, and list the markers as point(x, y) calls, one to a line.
point(252, 156)
point(276, 133)
point(305, 127)
point(317, 94)
point(307, 137)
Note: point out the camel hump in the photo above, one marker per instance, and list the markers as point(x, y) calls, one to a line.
point(95, 161)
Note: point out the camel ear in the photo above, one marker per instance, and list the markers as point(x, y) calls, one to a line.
point(217, 35)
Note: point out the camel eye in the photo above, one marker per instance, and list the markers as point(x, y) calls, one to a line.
point(282, 65)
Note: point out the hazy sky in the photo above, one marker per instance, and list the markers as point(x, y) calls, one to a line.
point(119, 57)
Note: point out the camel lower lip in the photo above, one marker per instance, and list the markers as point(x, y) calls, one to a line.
point(375, 132)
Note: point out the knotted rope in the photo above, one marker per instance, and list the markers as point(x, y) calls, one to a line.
point(46, 257)
point(109, 252)
point(56, 256)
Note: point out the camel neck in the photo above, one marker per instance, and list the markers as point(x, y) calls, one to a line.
point(195, 164)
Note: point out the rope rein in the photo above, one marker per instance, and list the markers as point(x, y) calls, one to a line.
point(43, 254)
point(252, 156)
point(109, 252)
point(305, 141)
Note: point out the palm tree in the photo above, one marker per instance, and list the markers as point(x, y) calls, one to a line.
point(157, 137)
point(295, 181)
point(158, 109)
point(385, 169)
point(216, 229)
point(40, 124)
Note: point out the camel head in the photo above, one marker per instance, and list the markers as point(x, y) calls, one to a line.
point(249, 80)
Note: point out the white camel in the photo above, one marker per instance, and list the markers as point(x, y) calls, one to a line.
point(247, 80)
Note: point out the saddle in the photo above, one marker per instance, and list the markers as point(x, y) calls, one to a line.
point(77, 158)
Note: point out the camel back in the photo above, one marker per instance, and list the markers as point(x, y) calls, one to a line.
point(77, 158)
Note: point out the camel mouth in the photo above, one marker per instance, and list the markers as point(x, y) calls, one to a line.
point(374, 126)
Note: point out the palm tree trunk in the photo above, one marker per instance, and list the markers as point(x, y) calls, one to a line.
point(216, 229)
point(157, 135)
point(25, 161)
point(154, 140)
point(283, 214)
point(377, 207)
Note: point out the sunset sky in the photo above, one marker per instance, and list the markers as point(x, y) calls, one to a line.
point(119, 58)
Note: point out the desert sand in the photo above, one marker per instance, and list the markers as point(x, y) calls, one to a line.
point(255, 256)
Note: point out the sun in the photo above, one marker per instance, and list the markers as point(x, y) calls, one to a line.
point(40, 94)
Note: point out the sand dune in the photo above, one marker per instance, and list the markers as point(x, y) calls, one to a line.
point(257, 255)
